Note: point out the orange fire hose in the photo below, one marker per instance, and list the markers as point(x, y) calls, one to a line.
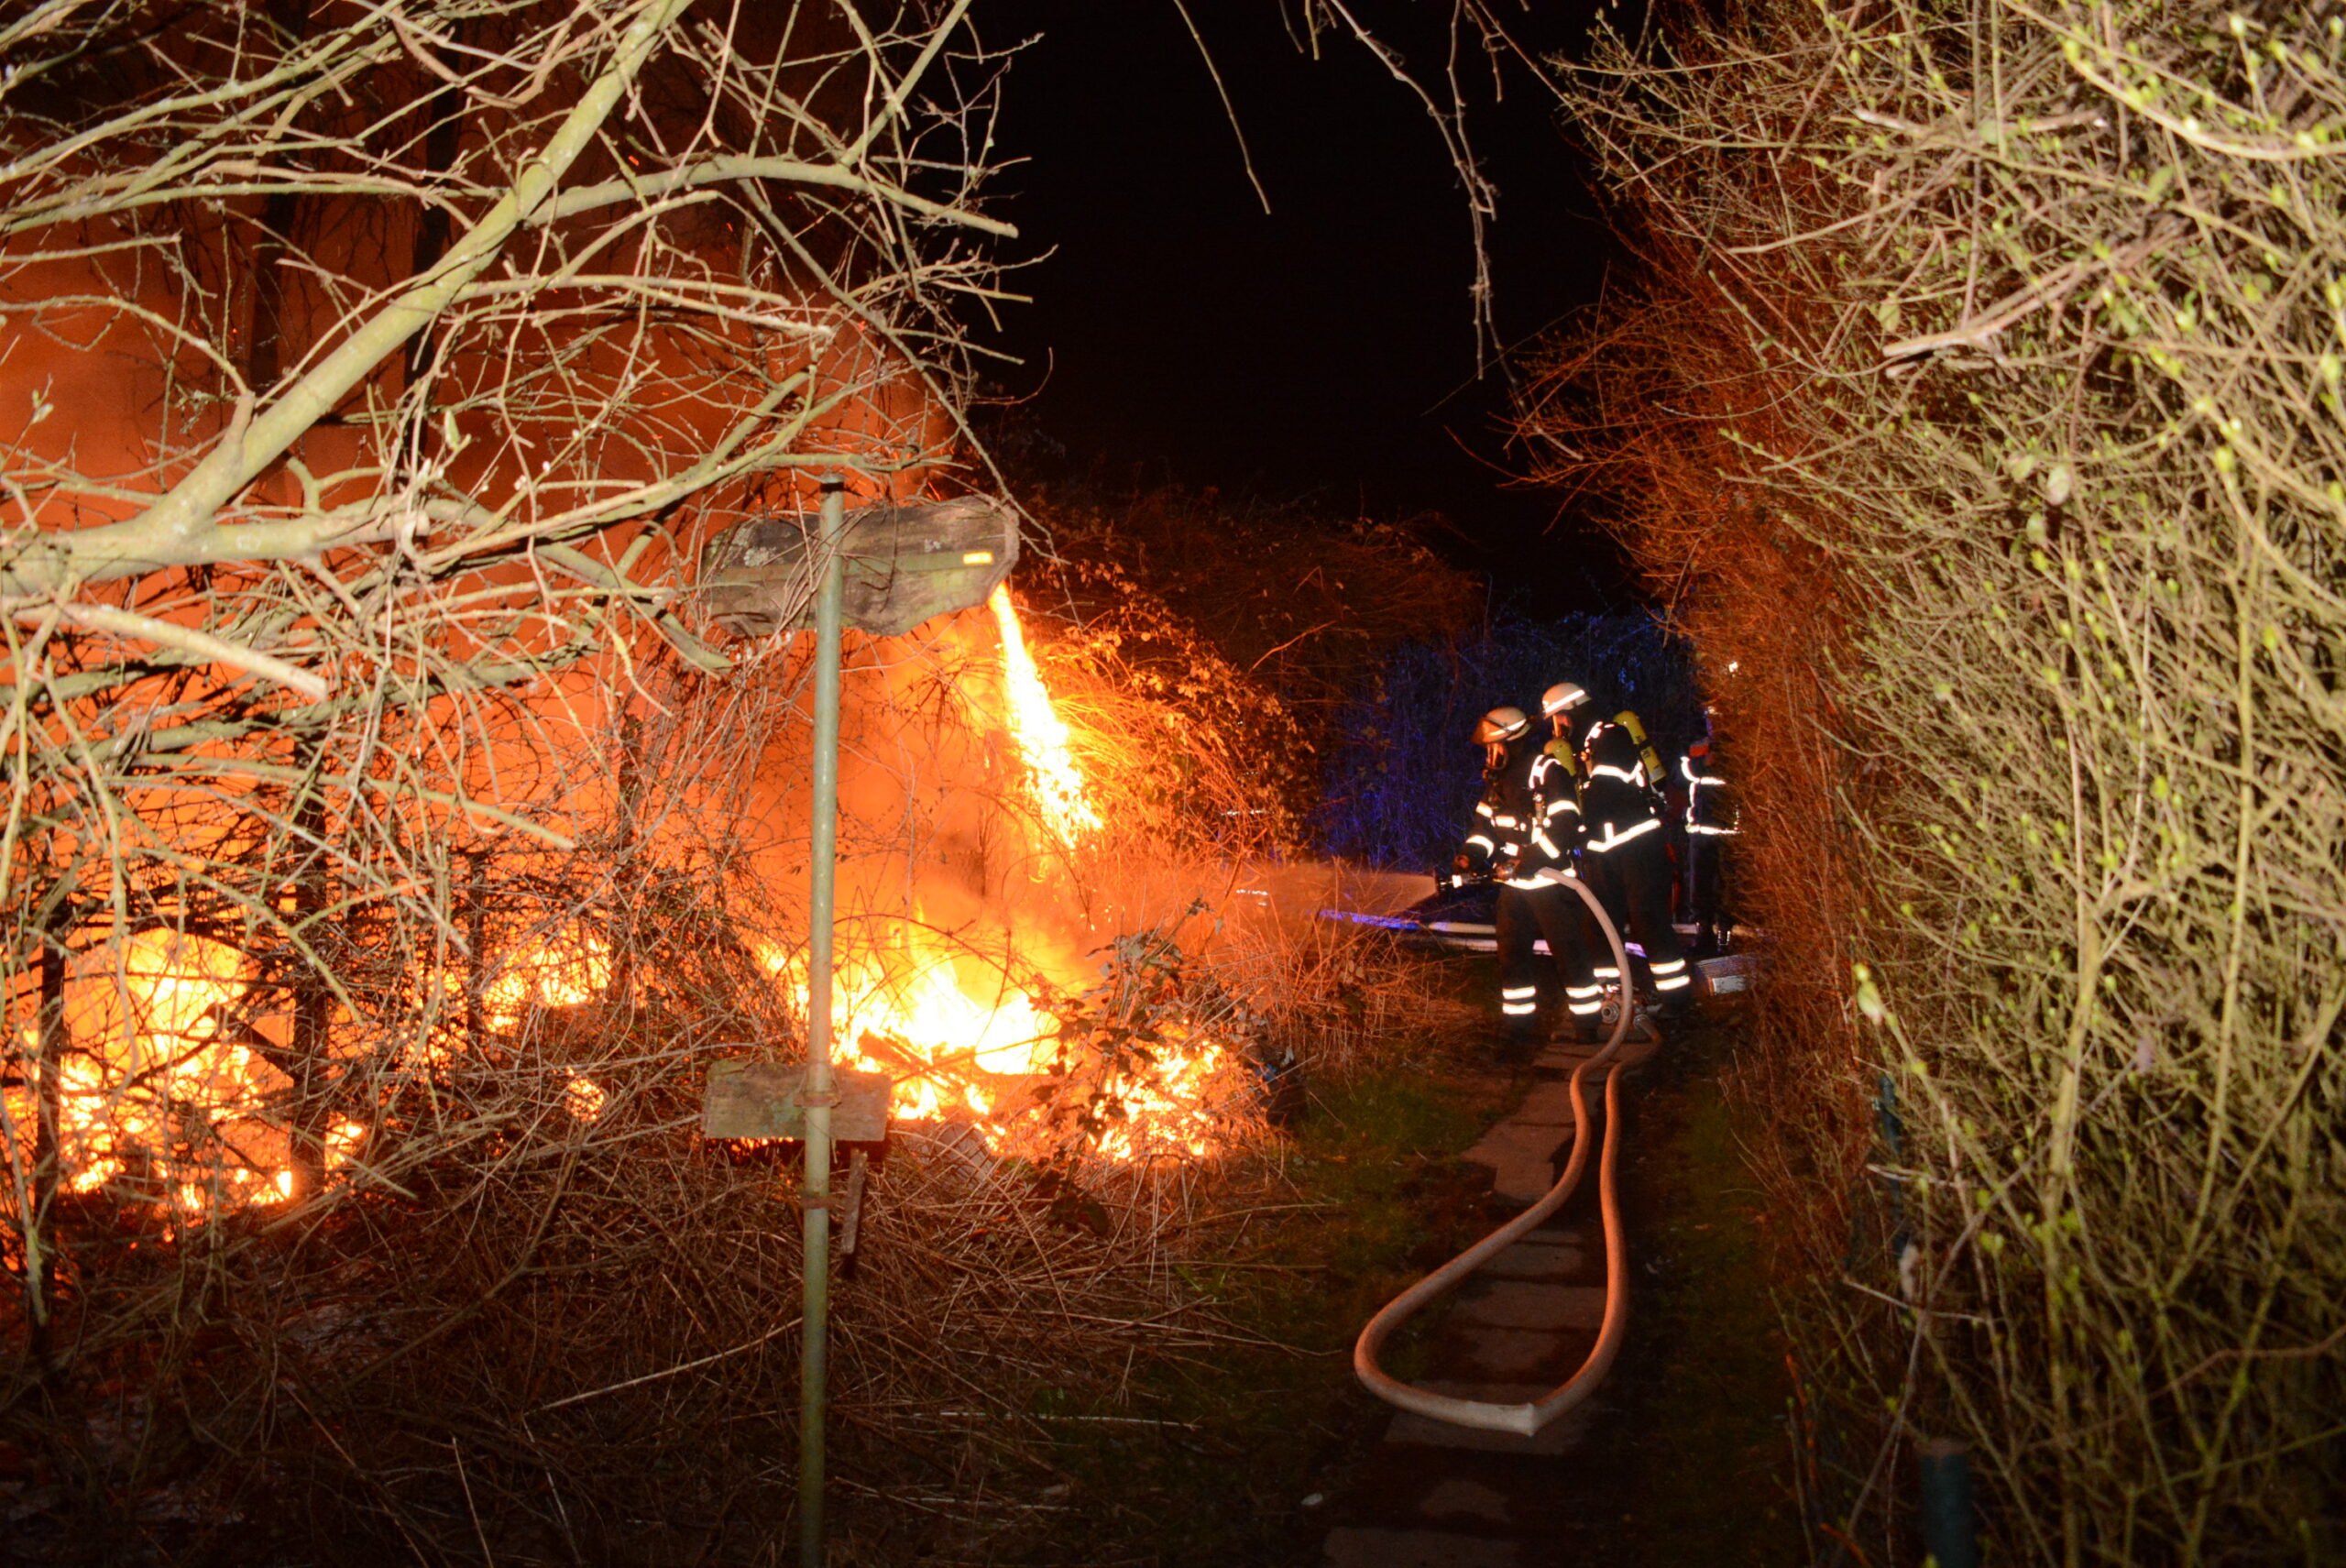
point(1528, 1418)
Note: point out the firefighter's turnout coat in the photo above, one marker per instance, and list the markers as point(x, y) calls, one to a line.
point(1712, 822)
point(1526, 822)
point(1623, 847)
point(1618, 801)
point(1525, 827)
point(1710, 808)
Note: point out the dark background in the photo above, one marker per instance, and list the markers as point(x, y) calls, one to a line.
point(1325, 350)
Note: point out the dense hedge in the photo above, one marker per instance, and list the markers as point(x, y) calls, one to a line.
point(1978, 391)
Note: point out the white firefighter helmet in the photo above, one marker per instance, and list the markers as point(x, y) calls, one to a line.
point(1499, 725)
point(1561, 698)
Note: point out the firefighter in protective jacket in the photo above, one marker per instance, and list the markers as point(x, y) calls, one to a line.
point(1512, 844)
point(1624, 855)
point(1559, 784)
point(1711, 826)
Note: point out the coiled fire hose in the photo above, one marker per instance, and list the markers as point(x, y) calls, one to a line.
point(1529, 1419)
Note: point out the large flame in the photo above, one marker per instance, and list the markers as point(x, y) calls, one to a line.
point(958, 1039)
point(1042, 736)
point(959, 1042)
point(904, 1007)
point(171, 1098)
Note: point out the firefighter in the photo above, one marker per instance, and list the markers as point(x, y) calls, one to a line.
point(1624, 852)
point(1558, 784)
point(1512, 845)
point(1712, 822)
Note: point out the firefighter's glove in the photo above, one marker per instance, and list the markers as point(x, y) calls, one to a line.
point(1505, 868)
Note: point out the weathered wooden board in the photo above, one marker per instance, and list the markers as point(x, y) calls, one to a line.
point(759, 1100)
point(903, 565)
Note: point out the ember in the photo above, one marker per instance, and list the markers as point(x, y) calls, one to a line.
point(966, 1045)
point(563, 970)
point(168, 1096)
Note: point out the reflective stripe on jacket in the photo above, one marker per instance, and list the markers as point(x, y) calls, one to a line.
point(1710, 808)
point(1514, 832)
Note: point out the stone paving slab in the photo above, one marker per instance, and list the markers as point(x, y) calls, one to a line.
point(1559, 1436)
point(1549, 1104)
point(1527, 1304)
point(1454, 1496)
point(1566, 1057)
point(1522, 1159)
point(1439, 1496)
point(1511, 1141)
point(1352, 1547)
point(1553, 1234)
point(1514, 1353)
point(1530, 1260)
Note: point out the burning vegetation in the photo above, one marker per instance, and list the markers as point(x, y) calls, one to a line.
point(172, 1084)
point(394, 845)
point(457, 1218)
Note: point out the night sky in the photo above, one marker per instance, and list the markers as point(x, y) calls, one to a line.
point(1326, 349)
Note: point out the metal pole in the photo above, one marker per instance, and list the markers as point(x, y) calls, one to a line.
point(818, 1096)
point(1949, 1536)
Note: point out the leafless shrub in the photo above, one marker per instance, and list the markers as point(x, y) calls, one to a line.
point(389, 850)
point(1979, 387)
point(528, 1309)
point(406, 354)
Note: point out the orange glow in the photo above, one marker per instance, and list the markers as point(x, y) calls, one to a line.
point(909, 1016)
point(961, 1042)
point(1042, 736)
point(570, 967)
point(168, 1102)
point(168, 1099)
point(342, 1144)
point(956, 1035)
point(1176, 1115)
point(172, 1098)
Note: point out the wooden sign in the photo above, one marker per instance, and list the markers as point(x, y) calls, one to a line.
point(759, 1100)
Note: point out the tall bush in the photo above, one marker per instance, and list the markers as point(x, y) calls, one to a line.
point(1978, 393)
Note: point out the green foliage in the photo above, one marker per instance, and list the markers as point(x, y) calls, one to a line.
point(1982, 398)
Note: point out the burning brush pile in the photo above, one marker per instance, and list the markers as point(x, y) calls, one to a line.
point(399, 1232)
point(1000, 1020)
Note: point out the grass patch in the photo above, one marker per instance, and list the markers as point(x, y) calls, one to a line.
point(1702, 1389)
point(1375, 1195)
point(1207, 1454)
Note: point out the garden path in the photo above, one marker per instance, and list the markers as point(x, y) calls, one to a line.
point(1437, 1496)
